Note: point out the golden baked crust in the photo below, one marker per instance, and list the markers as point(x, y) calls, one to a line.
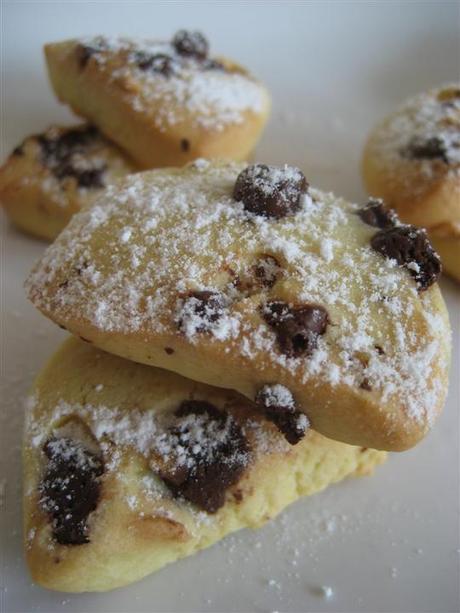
point(412, 160)
point(162, 115)
point(448, 248)
point(115, 409)
point(52, 175)
point(177, 267)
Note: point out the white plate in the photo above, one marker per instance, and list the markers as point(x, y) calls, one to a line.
point(387, 543)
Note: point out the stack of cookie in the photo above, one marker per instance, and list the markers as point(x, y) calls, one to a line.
point(412, 160)
point(147, 104)
point(240, 339)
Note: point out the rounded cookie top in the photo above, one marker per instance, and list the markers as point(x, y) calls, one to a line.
point(175, 81)
point(328, 293)
point(423, 134)
point(66, 163)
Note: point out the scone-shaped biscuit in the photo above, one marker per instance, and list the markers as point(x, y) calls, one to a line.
point(52, 175)
point(165, 103)
point(412, 161)
point(244, 278)
point(128, 468)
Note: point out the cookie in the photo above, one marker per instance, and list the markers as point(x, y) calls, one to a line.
point(50, 176)
point(165, 103)
point(412, 161)
point(245, 277)
point(128, 468)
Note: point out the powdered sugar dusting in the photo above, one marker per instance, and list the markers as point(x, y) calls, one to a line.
point(432, 116)
point(210, 98)
point(187, 234)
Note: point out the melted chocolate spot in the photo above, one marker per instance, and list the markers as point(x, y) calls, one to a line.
point(70, 489)
point(291, 422)
point(169, 350)
point(58, 155)
point(210, 64)
point(91, 178)
point(203, 307)
point(410, 247)
point(214, 457)
point(365, 385)
point(185, 145)
point(191, 44)
point(431, 148)
point(267, 271)
point(270, 191)
point(85, 52)
point(375, 214)
point(160, 63)
point(297, 328)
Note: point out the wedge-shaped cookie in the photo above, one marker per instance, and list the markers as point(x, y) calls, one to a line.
point(245, 278)
point(52, 175)
point(412, 160)
point(128, 468)
point(165, 103)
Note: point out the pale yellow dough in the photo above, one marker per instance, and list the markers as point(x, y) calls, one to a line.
point(138, 526)
point(158, 120)
point(425, 191)
point(41, 204)
point(120, 274)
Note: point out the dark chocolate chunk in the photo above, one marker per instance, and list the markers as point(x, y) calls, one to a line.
point(214, 454)
point(202, 309)
point(410, 247)
point(169, 350)
point(159, 62)
point(185, 145)
point(365, 385)
point(70, 489)
point(430, 148)
point(375, 214)
point(58, 155)
point(85, 52)
point(279, 407)
point(90, 177)
point(210, 64)
point(270, 191)
point(19, 150)
point(267, 271)
point(297, 328)
point(191, 44)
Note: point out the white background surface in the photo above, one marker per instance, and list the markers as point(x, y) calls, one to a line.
point(387, 543)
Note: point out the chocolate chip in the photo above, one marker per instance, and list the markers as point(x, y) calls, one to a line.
point(297, 328)
point(267, 271)
point(70, 489)
point(210, 64)
point(191, 44)
point(185, 145)
point(431, 148)
point(270, 191)
point(169, 350)
point(410, 247)
point(365, 384)
point(159, 63)
point(90, 178)
point(279, 407)
point(85, 52)
point(200, 310)
point(375, 214)
point(214, 454)
point(58, 155)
